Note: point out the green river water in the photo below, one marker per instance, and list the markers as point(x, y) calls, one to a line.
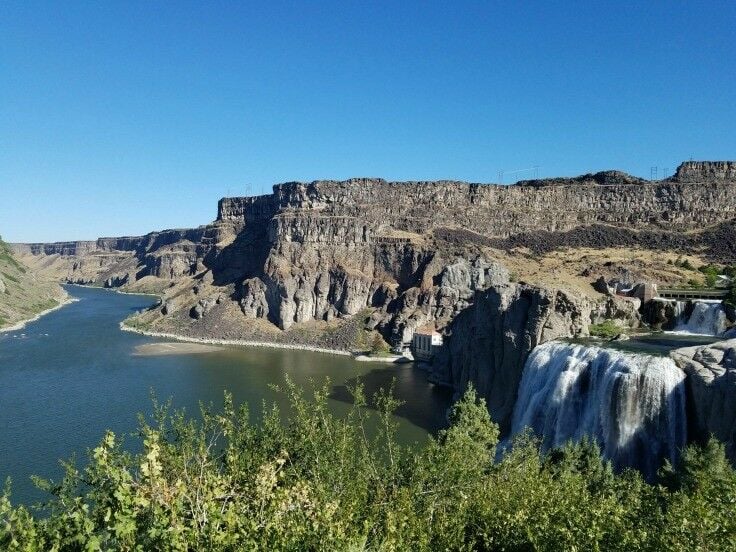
point(71, 375)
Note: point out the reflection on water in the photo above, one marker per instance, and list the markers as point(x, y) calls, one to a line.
point(68, 377)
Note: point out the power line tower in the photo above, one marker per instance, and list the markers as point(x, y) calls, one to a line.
point(652, 173)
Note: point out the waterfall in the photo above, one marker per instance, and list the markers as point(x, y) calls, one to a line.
point(633, 405)
point(707, 318)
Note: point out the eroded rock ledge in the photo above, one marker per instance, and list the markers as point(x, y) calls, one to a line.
point(390, 257)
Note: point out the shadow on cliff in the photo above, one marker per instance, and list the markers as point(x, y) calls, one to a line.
point(244, 258)
point(423, 404)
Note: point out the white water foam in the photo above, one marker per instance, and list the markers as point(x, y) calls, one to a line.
point(707, 318)
point(633, 405)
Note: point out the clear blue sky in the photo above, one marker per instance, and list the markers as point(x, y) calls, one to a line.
point(121, 118)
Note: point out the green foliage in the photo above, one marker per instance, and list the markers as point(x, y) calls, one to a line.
point(606, 329)
point(694, 284)
point(731, 297)
point(136, 323)
point(7, 256)
point(684, 263)
point(318, 482)
point(379, 346)
point(711, 273)
point(10, 277)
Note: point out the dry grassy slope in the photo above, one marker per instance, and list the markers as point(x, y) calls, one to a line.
point(23, 293)
point(574, 269)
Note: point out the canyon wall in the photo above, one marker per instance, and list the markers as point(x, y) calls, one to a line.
point(407, 255)
point(329, 249)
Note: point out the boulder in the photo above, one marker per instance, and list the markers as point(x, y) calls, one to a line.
point(601, 286)
point(624, 311)
point(253, 301)
point(203, 307)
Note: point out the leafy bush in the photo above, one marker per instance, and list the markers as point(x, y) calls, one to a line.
point(318, 482)
point(379, 346)
point(694, 284)
point(711, 273)
point(731, 297)
point(607, 329)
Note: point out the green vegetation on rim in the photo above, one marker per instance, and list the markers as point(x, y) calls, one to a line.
point(7, 257)
point(318, 482)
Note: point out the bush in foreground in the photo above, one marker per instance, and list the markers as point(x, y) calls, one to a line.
point(318, 482)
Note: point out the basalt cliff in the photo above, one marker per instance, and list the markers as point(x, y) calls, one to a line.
point(496, 269)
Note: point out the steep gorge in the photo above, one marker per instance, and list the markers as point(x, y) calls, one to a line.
point(311, 261)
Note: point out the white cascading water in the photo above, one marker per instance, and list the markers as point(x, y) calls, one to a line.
point(707, 318)
point(633, 405)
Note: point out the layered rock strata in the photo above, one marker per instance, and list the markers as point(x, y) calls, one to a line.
point(408, 254)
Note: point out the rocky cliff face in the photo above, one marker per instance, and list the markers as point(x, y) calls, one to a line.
point(329, 249)
point(488, 342)
point(328, 261)
point(706, 171)
point(711, 391)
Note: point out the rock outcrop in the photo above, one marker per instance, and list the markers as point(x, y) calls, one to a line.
point(706, 171)
point(489, 342)
point(711, 391)
point(405, 255)
point(416, 252)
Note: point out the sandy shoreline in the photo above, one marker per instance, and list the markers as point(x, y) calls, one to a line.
point(234, 342)
point(176, 348)
point(23, 323)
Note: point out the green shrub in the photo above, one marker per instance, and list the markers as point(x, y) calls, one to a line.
point(7, 256)
point(607, 329)
point(319, 482)
point(731, 297)
point(379, 346)
point(10, 277)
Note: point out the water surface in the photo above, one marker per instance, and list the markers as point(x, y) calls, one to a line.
point(71, 375)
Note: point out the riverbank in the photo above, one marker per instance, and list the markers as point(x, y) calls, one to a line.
point(116, 290)
point(233, 342)
point(23, 323)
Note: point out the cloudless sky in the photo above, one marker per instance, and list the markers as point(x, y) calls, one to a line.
point(122, 118)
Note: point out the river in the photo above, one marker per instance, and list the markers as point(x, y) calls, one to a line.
point(72, 374)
